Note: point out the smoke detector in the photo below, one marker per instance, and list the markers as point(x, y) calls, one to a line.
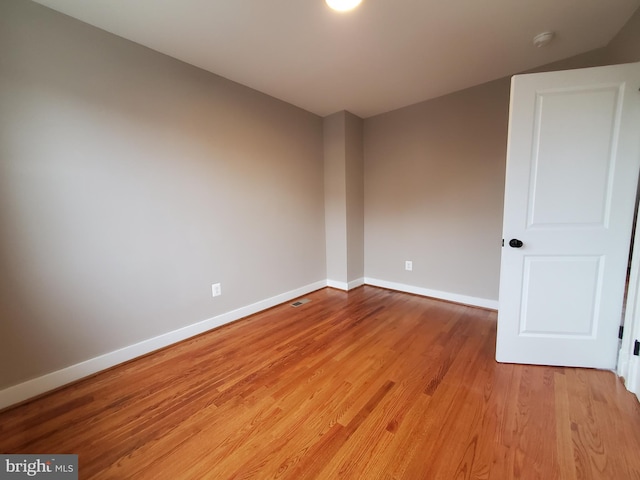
point(543, 39)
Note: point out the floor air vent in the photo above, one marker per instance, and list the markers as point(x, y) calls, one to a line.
point(302, 301)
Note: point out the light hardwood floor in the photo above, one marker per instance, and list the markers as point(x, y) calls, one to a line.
point(370, 384)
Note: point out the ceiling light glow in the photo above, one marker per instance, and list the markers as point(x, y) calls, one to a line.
point(343, 5)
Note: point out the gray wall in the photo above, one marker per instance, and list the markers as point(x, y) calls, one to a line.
point(354, 171)
point(625, 46)
point(129, 182)
point(344, 198)
point(434, 182)
point(335, 196)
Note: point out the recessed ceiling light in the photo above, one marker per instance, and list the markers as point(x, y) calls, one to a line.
point(343, 5)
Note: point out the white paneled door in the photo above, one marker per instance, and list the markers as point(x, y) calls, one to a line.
point(572, 170)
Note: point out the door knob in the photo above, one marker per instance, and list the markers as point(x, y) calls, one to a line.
point(515, 243)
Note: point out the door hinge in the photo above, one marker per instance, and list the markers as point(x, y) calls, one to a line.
point(620, 331)
point(636, 348)
point(503, 242)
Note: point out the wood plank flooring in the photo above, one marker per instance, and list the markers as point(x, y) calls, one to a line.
point(370, 384)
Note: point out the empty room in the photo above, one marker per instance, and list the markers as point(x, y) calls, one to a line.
point(319, 239)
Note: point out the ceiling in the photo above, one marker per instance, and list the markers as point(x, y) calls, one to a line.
point(384, 55)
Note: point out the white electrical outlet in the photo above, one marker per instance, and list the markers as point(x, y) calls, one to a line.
point(216, 289)
point(408, 265)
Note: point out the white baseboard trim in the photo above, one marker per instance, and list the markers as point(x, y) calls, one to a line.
point(425, 292)
point(344, 285)
point(623, 363)
point(37, 386)
point(339, 285)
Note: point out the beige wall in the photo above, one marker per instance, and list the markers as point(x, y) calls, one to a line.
point(129, 183)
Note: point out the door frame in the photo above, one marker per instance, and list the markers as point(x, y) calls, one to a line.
point(629, 364)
